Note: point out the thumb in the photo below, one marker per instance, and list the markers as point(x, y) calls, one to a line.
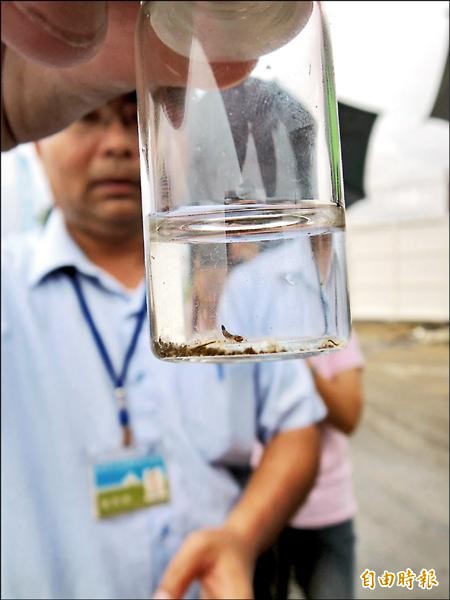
point(60, 34)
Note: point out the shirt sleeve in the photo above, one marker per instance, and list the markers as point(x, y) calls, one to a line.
point(350, 357)
point(286, 398)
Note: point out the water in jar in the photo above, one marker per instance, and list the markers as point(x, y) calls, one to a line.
point(254, 281)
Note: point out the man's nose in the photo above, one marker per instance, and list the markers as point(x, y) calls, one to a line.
point(119, 140)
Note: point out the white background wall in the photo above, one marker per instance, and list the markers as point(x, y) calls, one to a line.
point(399, 272)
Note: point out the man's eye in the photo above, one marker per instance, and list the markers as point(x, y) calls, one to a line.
point(130, 120)
point(91, 118)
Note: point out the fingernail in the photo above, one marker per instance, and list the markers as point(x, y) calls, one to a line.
point(161, 595)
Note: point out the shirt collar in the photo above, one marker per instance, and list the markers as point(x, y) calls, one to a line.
point(57, 249)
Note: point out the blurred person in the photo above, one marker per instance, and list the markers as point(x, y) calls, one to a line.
point(24, 190)
point(319, 543)
point(285, 288)
point(293, 286)
point(262, 126)
point(70, 58)
point(93, 425)
point(267, 143)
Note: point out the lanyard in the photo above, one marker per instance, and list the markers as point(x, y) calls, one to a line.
point(117, 379)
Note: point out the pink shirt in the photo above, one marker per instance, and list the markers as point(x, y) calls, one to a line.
point(331, 501)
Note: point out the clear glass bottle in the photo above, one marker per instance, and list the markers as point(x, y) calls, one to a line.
point(241, 178)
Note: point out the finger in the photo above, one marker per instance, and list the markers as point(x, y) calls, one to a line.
point(230, 74)
point(187, 565)
point(54, 33)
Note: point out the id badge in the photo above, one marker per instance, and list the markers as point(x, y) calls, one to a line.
point(127, 480)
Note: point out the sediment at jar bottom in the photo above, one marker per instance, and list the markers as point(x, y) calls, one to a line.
point(171, 350)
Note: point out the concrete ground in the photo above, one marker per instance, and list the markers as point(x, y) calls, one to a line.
point(400, 458)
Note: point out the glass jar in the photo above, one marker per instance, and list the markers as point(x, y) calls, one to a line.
point(241, 174)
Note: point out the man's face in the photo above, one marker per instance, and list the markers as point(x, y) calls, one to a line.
point(93, 169)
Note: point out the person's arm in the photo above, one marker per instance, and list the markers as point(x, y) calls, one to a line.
point(343, 396)
point(222, 559)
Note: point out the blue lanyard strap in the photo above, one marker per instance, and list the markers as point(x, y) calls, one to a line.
point(118, 380)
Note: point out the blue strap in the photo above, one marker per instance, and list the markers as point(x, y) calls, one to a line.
point(118, 380)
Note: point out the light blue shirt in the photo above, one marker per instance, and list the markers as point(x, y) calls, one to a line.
point(58, 409)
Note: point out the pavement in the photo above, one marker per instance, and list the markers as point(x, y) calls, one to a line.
point(401, 461)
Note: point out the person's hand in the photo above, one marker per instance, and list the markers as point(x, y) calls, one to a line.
point(217, 559)
point(61, 60)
